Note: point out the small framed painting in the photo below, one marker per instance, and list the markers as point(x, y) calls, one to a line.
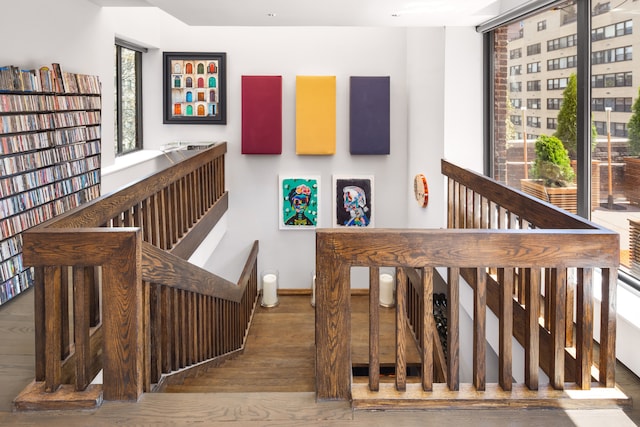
point(299, 205)
point(353, 201)
point(194, 88)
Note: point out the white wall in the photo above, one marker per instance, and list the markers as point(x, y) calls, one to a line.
point(415, 59)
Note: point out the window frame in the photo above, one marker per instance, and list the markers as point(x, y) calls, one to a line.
point(119, 45)
point(583, 70)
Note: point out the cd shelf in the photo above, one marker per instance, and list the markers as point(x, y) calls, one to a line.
point(50, 146)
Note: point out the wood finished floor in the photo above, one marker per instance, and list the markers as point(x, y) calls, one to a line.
point(292, 321)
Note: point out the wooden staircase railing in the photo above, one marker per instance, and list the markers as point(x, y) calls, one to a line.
point(520, 269)
point(113, 292)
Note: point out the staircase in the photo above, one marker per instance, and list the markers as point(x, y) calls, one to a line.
point(279, 355)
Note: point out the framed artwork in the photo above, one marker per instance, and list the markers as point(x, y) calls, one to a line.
point(194, 88)
point(299, 202)
point(353, 201)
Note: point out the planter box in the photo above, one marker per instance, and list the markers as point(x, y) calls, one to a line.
point(632, 179)
point(563, 197)
point(634, 246)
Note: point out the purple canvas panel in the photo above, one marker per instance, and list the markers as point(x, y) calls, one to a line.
point(369, 115)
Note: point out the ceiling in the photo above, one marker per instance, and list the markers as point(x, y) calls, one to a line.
point(394, 13)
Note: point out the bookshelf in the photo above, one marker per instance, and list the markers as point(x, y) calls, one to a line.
point(50, 123)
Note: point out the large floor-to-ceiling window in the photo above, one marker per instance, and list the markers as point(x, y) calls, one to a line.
point(563, 76)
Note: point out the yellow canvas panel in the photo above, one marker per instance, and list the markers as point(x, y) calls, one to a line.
point(315, 115)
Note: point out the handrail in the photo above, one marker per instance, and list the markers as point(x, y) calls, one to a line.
point(508, 256)
point(120, 296)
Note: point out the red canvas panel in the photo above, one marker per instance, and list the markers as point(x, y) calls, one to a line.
point(261, 114)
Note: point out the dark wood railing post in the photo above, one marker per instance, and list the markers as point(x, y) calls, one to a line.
point(333, 324)
point(122, 296)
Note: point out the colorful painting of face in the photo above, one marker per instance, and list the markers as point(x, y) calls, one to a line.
point(353, 201)
point(299, 202)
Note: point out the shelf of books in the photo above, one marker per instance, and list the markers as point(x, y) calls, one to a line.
point(49, 156)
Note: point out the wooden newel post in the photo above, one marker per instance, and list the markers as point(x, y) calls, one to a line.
point(122, 296)
point(333, 323)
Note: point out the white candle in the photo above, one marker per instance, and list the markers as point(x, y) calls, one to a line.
point(313, 291)
point(386, 290)
point(269, 290)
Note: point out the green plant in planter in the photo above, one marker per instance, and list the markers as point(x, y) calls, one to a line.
point(552, 162)
point(634, 128)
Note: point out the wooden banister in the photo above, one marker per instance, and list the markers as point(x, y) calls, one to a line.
point(113, 271)
point(517, 254)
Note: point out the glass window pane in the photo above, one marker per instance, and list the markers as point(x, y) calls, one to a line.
point(617, 203)
point(615, 107)
point(129, 100)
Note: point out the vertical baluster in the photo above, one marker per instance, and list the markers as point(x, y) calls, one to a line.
point(570, 297)
point(584, 328)
point(559, 292)
point(147, 339)
point(198, 192)
point(81, 318)
point(479, 330)
point(470, 210)
point(156, 331)
point(532, 334)
point(450, 202)
point(453, 329)
point(374, 328)
point(65, 336)
point(505, 355)
point(607, 364)
point(167, 217)
point(428, 329)
point(40, 322)
point(401, 310)
point(93, 281)
point(549, 284)
point(53, 327)
point(166, 328)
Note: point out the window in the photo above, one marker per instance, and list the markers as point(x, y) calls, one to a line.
point(128, 97)
point(557, 84)
point(515, 70)
point(616, 104)
point(612, 80)
point(515, 86)
point(515, 53)
point(561, 43)
point(554, 103)
point(533, 49)
point(542, 25)
point(516, 102)
point(533, 86)
point(617, 54)
point(601, 8)
point(561, 63)
point(611, 98)
point(533, 104)
point(613, 30)
point(533, 67)
point(533, 122)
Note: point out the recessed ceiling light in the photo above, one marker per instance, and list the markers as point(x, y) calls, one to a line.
point(395, 15)
point(271, 14)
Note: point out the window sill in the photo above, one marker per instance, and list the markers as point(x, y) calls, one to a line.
point(129, 160)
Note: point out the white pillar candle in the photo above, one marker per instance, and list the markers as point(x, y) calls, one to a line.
point(313, 291)
point(269, 290)
point(386, 290)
